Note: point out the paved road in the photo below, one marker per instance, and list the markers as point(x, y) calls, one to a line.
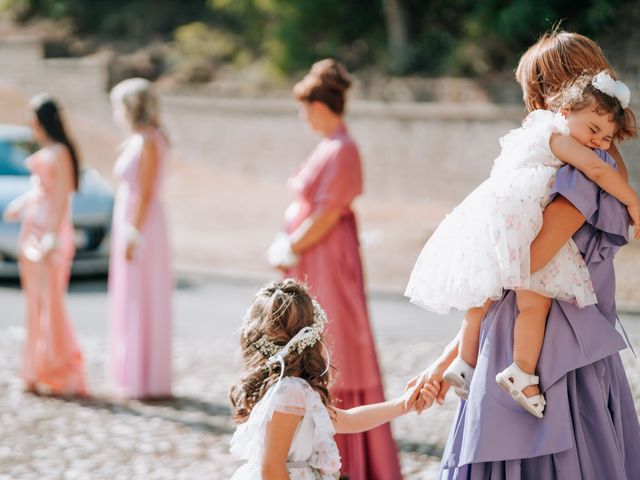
point(214, 306)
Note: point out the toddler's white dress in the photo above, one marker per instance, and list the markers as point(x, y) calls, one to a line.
point(482, 246)
point(313, 454)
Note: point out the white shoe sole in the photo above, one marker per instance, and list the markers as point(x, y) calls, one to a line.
point(504, 383)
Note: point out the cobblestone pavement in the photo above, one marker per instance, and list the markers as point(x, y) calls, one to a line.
point(105, 437)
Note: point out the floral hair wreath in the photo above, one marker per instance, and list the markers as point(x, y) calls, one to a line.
point(306, 337)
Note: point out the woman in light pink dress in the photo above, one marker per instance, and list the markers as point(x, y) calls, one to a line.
point(52, 361)
point(320, 246)
point(140, 283)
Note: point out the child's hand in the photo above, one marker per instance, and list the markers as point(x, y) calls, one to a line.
point(634, 213)
point(423, 396)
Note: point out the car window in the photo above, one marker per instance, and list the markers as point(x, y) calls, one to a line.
point(13, 155)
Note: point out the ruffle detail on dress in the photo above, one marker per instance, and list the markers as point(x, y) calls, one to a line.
point(290, 395)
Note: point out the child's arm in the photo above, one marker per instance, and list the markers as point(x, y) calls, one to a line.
point(570, 151)
point(277, 442)
point(366, 417)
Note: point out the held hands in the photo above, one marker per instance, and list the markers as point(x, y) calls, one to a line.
point(634, 213)
point(431, 376)
point(424, 397)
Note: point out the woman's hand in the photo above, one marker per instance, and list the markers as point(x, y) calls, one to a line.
point(134, 239)
point(432, 375)
point(14, 209)
point(423, 397)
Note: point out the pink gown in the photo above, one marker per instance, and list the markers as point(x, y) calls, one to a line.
point(52, 357)
point(140, 290)
point(332, 178)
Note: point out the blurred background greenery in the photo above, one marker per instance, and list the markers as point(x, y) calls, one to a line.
point(192, 41)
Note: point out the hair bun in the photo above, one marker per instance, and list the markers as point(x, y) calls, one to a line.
point(332, 74)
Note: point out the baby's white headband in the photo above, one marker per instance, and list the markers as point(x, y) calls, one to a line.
point(614, 88)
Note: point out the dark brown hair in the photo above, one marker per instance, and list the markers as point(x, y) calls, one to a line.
point(554, 61)
point(326, 82)
point(47, 111)
point(279, 311)
point(581, 93)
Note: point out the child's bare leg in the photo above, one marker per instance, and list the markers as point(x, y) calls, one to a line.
point(470, 333)
point(528, 333)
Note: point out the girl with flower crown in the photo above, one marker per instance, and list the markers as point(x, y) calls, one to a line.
point(482, 247)
point(286, 415)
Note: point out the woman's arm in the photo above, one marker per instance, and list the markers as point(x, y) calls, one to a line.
point(278, 438)
point(148, 170)
point(433, 374)
point(560, 220)
point(313, 229)
point(366, 417)
point(570, 151)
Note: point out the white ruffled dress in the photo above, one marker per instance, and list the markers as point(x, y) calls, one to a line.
point(482, 247)
point(313, 454)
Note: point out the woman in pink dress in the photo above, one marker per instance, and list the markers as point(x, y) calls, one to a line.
point(140, 283)
point(52, 361)
point(320, 246)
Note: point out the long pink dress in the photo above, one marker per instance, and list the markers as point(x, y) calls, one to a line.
point(332, 178)
point(140, 290)
point(52, 357)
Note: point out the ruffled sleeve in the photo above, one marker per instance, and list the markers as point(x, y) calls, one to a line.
point(341, 179)
point(600, 209)
point(290, 397)
point(529, 144)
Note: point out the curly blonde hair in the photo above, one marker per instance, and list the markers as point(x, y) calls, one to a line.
point(140, 102)
point(279, 311)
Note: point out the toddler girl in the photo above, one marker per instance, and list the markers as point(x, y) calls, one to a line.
point(482, 247)
point(287, 419)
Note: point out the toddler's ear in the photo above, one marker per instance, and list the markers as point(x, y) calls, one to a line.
point(565, 112)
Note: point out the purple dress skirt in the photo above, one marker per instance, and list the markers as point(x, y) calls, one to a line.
point(590, 429)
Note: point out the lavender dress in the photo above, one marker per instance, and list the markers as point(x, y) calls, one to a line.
point(590, 429)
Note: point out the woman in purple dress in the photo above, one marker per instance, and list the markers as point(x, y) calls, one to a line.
point(590, 429)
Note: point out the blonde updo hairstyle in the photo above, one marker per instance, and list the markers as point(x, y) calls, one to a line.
point(280, 310)
point(140, 102)
point(327, 82)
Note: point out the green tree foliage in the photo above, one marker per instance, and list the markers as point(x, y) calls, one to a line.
point(466, 37)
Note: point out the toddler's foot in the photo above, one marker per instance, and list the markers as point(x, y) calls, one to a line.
point(459, 375)
point(518, 384)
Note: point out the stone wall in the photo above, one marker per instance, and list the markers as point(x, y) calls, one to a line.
point(410, 150)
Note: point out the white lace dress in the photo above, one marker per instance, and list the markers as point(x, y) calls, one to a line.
point(482, 246)
point(313, 454)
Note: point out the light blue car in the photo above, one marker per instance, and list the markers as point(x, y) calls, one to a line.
point(91, 209)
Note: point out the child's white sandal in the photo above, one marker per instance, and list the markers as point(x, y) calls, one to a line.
point(514, 380)
point(459, 375)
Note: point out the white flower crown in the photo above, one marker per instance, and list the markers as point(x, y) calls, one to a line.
point(306, 337)
point(614, 88)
